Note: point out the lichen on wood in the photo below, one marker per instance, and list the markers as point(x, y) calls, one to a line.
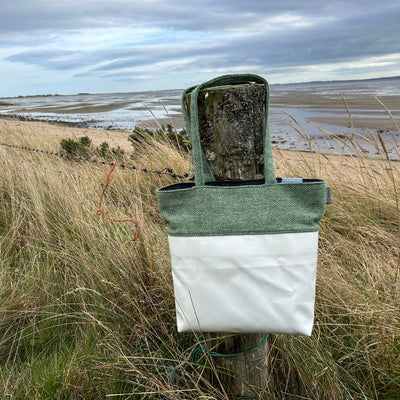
point(231, 130)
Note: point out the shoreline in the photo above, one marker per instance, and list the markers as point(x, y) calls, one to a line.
point(333, 118)
point(328, 105)
point(53, 132)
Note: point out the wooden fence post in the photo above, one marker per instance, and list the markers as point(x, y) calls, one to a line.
point(230, 121)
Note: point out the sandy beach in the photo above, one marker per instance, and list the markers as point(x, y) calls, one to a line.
point(326, 112)
point(324, 104)
point(365, 113)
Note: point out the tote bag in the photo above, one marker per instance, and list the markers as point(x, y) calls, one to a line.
point(243, 253)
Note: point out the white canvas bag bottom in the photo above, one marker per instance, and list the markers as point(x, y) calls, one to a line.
point(245, 283)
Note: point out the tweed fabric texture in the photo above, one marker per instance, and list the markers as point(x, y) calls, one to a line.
point(209, 207)
point(239, 210)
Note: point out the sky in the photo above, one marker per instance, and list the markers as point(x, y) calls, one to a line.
point(75, 46)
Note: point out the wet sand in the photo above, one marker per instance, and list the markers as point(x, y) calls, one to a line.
point(365, 115)
point(341, 109)
point(324, 103)
point(357, 111)
point(360, 113)
point(78, 108)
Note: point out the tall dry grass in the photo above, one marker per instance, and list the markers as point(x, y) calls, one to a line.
point(83, 318)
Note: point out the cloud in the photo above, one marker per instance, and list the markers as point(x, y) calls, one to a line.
point(125, 38)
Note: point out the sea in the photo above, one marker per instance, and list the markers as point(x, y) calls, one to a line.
point(293, 109)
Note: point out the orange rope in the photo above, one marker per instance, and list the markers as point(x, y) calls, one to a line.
point(101, 212)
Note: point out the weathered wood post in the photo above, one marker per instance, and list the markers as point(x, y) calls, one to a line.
point(231, 120)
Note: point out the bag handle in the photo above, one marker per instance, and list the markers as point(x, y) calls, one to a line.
point(207, 172)
point(202, 168)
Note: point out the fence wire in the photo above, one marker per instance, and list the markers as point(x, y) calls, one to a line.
point(60, 171)
point(164, 171)
point(91, 208)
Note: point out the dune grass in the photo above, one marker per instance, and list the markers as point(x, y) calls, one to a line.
point(82, 317)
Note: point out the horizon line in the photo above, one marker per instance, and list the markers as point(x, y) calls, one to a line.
point(168, 90)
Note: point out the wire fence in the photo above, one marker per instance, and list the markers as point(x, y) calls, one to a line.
point(78, 176)
point(90, 206)
point(164, 171)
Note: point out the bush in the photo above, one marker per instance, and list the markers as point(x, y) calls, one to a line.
point(85, 141)
point(103, 150)
point(110, 153)
point(70, 146)
point(177, 138)
point(118, 153)
point(80, 148)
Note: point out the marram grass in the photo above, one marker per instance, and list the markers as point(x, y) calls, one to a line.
point(83, 318)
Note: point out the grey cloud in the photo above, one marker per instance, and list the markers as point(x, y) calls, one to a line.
point(28, 15)
point(336, 41)
point(353, 30)
point(51, 59)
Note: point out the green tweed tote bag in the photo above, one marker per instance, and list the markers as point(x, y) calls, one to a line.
point(243, 253)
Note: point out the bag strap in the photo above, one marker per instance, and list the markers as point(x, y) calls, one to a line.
point(207, 172)
point(202, 168)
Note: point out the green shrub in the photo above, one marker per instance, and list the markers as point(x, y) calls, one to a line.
point(85, 141)
point(103, 150)
point(118, 153)
point(79, 148)
point(177, 138)
point(70, 146)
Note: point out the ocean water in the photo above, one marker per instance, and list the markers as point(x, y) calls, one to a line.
point(293, 106)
